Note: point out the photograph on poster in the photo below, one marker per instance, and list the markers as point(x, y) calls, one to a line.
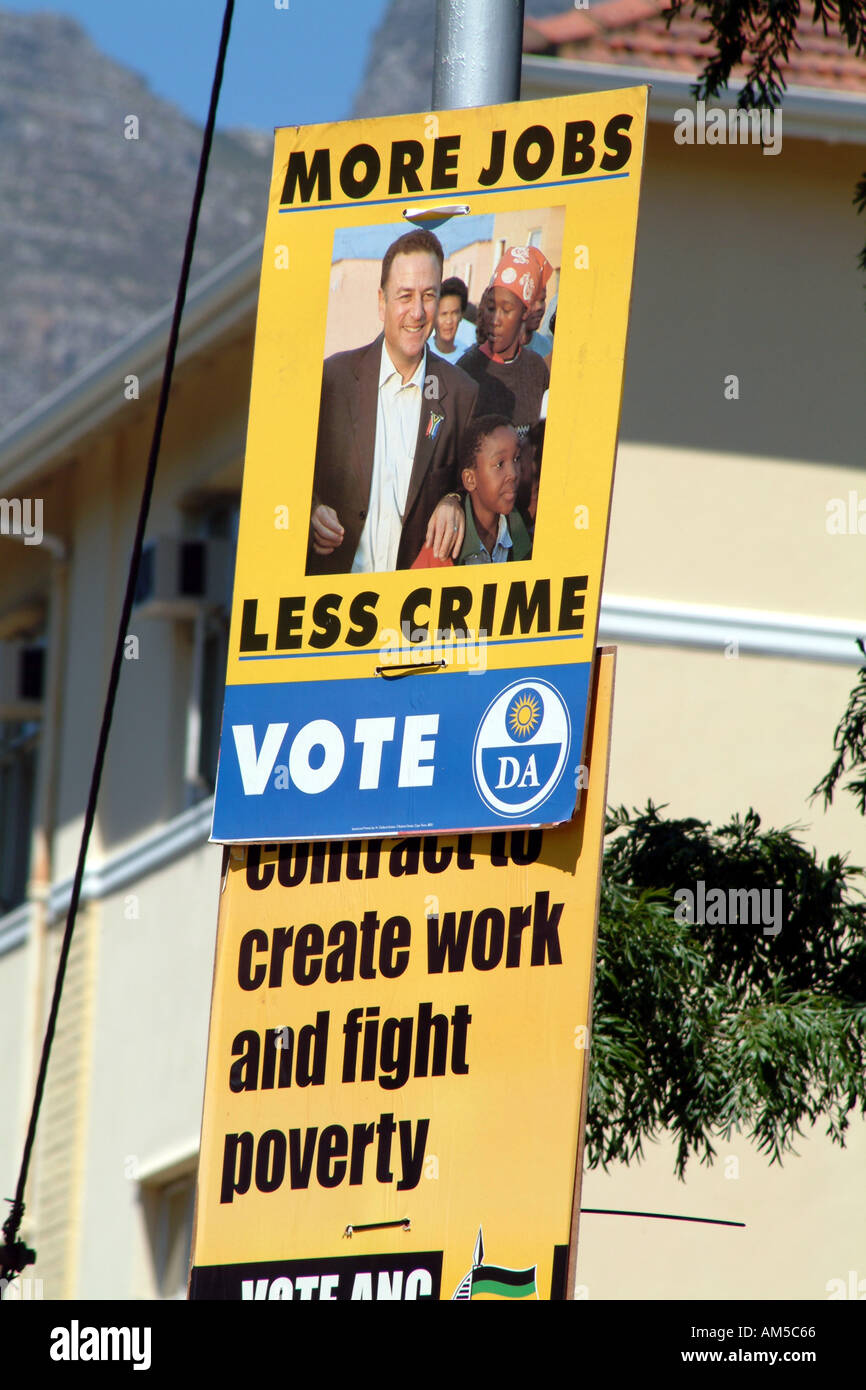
point(434, 392)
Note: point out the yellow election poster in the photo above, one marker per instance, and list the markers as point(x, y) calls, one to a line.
point(397, 1060)
point(433, 421)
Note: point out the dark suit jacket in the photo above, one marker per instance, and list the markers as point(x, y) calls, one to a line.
point(347, 440)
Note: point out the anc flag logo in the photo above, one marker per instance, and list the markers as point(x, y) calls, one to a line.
point(494, 1281)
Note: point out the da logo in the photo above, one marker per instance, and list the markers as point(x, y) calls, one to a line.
point(485, 1281)
point(521, 747)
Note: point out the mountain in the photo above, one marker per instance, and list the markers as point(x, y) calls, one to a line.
point(399, 72)
point(92, 224)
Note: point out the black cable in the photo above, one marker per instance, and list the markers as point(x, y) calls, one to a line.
point(394, 673)
point(659, 1216)
point(405, 1224)
point(12, 1252)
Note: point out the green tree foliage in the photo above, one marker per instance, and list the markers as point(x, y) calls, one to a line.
point(699, 1030)
point(849, 745)
point(759, 34)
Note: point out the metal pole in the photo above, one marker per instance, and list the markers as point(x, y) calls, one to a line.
point(476, 58)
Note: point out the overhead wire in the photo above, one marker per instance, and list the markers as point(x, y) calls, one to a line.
point(14, 1255)
point(659, 1216)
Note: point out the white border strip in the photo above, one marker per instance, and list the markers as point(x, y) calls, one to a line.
point(661, 621)
point(15, 927)
point(189, 830)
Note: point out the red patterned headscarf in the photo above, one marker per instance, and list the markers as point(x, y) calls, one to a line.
point(525, 271)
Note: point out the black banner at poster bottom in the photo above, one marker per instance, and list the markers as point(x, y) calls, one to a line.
point(365, 1278)
point(361, 1278)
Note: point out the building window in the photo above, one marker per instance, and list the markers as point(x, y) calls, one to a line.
point(22, 679)
point(214, 655)
point(168, 1211)
point(213, 520)
point(19, 741)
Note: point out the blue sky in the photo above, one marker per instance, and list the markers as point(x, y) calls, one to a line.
point(371, 243)
point(292, 66)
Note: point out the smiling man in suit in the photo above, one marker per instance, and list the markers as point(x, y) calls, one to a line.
point(390, 421)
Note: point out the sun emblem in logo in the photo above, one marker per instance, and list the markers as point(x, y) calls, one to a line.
point(521, 747)
point(523, 714)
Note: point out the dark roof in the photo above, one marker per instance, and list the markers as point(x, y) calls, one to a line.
point(633, 33)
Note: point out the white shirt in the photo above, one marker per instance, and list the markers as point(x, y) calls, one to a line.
point(397, 416)
point(464, 339)
point(465, 335)
point(453, 356)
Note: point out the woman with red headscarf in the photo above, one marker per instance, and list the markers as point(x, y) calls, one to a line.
point(511, 380)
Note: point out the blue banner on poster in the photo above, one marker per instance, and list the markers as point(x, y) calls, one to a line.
point(462, 751)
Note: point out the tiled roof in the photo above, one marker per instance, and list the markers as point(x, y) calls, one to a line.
point(633, 32)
